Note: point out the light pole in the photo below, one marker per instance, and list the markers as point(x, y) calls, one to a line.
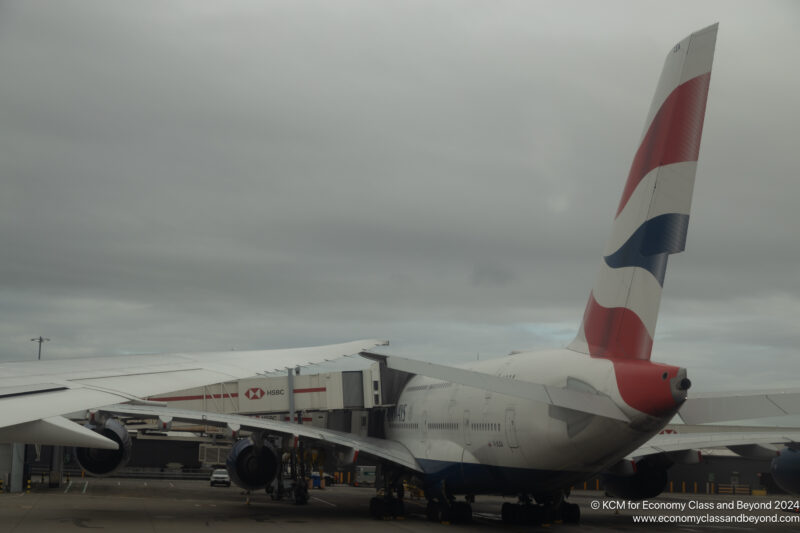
point(40, 340)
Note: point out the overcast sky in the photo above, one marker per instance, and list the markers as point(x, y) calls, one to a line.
point(212, 175)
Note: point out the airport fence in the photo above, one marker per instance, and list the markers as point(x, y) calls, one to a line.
point(732, 489)
point(39, 476)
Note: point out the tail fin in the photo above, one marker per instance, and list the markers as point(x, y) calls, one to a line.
point(653, 214)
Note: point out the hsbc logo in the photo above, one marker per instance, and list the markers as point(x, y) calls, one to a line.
point(256, 393)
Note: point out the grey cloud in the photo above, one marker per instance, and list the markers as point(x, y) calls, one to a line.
point(208, 176)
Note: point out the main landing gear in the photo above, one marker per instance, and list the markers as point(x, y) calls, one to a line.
point(443, 507)
point(548, 508)
point(389, 505)
point(455, 512)
point(295, 485)
point(386, 508)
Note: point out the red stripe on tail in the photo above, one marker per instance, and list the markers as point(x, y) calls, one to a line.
point(617, 333)
point(674, 135)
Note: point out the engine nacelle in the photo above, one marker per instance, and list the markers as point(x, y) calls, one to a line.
point(649, 480)
point(103, 462)
point(785, 470)
point(253, 467)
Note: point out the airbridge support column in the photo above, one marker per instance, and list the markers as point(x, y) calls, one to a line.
point(290, 392)
point(12, 463)
point(5, 465)
point(56, 466)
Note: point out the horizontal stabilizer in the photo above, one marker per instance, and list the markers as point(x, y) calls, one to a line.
point(56, 431)
point(585, 402)
point(722, 408)
point(672, 442)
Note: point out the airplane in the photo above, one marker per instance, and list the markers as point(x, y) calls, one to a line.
point(716, 408)
point(531, 424)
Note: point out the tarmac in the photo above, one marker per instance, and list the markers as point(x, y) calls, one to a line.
point(166, 506)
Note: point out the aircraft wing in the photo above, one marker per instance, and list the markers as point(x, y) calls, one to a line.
point(384, 449)
point(33, 394)
point(676, 442)
point(721, 407)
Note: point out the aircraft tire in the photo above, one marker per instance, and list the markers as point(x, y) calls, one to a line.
point(432, 511)
point(461, 513)
point(533, 515)
point(438, 512)
point(377, 508)
point(300, 494)
point(399, 508)
point(570, 513)
point(508, 512)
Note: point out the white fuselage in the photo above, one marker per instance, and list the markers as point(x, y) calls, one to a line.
point(481, 441)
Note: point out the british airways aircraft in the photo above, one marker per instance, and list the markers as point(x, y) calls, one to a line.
point(530, 424)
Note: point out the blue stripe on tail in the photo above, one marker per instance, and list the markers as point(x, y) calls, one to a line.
point(651, 243)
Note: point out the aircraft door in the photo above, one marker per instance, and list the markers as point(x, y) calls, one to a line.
point(467, 433)
point(511, 428)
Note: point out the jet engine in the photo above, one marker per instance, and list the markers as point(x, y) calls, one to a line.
point(785, 470)
point(648, 481)
point(253, 465)
point(103, 462)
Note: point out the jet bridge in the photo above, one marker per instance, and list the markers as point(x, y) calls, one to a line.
point(278, 393)
point(351, 401)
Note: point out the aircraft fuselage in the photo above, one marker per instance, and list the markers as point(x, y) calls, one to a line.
point(477, 441)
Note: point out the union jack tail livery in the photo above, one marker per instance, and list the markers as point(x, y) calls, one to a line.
point(653, 214)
